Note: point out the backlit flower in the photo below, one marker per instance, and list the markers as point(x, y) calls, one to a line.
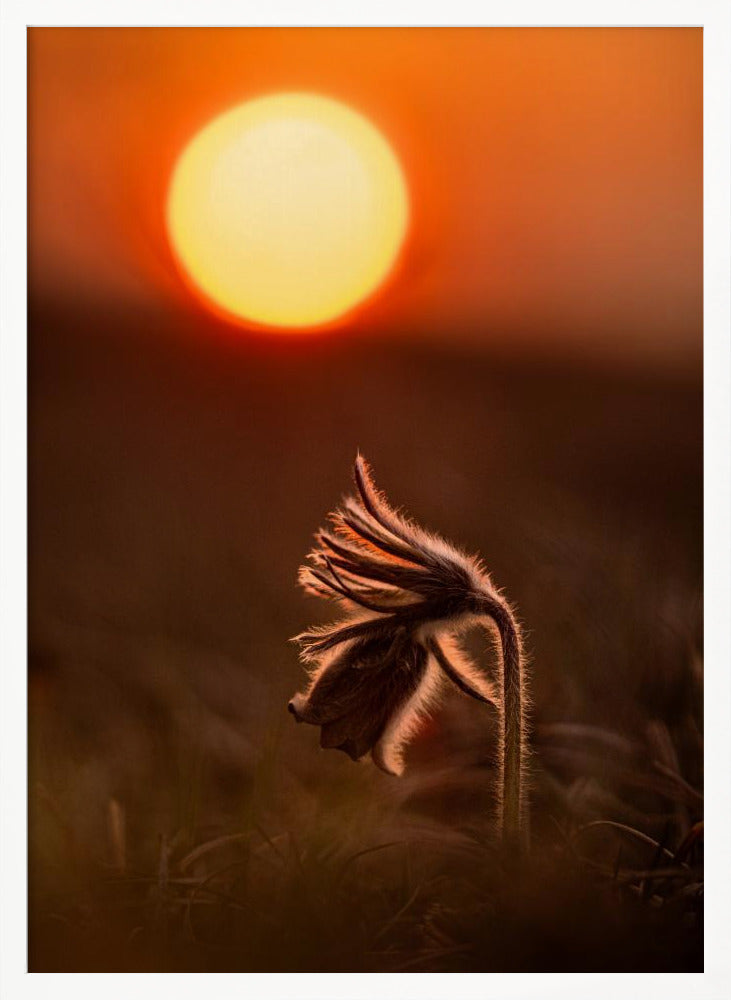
point(408, 594)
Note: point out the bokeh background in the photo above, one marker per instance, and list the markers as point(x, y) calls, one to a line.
point(529, 384)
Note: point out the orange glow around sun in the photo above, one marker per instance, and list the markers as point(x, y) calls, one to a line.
point(552, 181)
point(287, 210)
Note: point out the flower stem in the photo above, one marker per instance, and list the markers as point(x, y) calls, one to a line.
point(512, 763)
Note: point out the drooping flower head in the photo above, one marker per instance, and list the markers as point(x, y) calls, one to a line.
point(375, 674)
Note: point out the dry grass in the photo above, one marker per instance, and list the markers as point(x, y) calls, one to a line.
point(351, 893)
point(335, 867)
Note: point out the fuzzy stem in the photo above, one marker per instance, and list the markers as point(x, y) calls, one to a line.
point(512, 764)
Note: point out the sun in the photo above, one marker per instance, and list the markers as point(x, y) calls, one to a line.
point(287, 211)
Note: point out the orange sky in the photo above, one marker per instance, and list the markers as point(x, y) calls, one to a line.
point(555, 174)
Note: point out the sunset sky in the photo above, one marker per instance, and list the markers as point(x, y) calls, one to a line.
point(555, 175)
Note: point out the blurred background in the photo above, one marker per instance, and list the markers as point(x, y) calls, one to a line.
point(529, 385)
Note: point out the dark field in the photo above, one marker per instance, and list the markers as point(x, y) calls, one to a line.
point(180, 820)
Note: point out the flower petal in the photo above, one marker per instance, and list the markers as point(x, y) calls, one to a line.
point(461, 670)
point(377, 506)
point(404, 724)
point(366, 564)
point(355, 697)
point(354, 523)
point(320, 639)
point(342, 586)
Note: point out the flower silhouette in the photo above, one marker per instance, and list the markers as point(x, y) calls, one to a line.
point(377, 673)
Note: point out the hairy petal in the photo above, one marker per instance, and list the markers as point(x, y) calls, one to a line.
point(421, 547)
point(355, 524)
point(312, 584)
point(360, 595)
point(346, 573)
point(318, 640)
point(405, 723)
point(378, 506)
point(366, 564)
point(461, 669)
point(361, 689)
point(350, 547)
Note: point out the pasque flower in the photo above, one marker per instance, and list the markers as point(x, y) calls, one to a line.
point(408, 594)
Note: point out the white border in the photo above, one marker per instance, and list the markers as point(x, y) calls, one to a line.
point(713, 15)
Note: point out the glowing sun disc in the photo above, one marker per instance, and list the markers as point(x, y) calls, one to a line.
point(288, 210)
